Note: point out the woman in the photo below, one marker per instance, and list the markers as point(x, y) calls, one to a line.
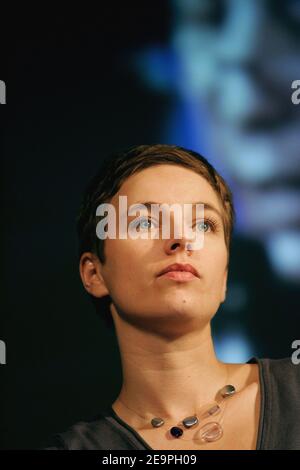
point(162, 294)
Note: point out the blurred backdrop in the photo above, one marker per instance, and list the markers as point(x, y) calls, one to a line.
point(211, 75)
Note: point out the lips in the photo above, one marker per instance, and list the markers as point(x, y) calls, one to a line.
point(177, 267)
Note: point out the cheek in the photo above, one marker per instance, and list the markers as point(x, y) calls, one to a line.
point(214, 264)
point(124, 268)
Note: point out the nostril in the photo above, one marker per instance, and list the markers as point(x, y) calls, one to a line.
point(174, 246)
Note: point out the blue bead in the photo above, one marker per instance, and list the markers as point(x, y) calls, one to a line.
point(176, 432)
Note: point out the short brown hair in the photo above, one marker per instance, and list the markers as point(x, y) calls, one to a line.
point(117, 168)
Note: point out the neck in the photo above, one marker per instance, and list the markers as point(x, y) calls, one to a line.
point(168, 378)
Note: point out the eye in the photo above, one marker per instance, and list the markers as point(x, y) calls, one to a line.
point(144, 223)
point(206, 225)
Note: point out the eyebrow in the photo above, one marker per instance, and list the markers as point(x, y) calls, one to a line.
point(207, 206)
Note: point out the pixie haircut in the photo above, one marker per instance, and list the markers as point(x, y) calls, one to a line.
point(117, 168)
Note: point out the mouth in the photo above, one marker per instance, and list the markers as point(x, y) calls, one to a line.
point(179, 272)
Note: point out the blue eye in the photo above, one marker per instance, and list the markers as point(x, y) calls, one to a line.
point(144, 223)
point(205, 225)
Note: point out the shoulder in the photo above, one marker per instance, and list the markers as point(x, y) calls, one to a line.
point(96, 433)
point(281, 390)
point(281, 406)
point(283, 374)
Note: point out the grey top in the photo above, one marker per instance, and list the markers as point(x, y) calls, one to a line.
point(279, 422)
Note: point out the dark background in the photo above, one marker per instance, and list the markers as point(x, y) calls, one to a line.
point(72, 98)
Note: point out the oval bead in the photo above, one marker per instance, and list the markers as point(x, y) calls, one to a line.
point(157, 422)
point(214, 410)
point(227, 391)
point(190, 421)
point(211, 432)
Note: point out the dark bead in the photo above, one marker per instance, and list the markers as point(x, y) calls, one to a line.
point(227, 391)
point(190, 421)
point(157, 422)
point(176, 432)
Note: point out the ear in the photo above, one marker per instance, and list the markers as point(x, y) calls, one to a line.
point(224, 287)
point(90, 272)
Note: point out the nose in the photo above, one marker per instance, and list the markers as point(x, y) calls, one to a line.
point(181, 237)
point(177, 245)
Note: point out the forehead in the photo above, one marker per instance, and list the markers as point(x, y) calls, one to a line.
point(170, 184)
